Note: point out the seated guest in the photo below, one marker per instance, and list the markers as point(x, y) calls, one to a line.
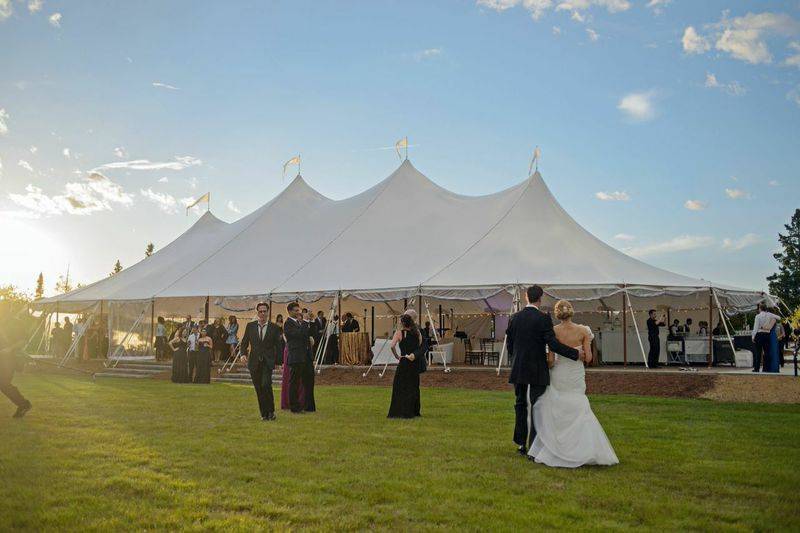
point(350, 324)
point(687, 329)
point(717, 329)
point(675, 329)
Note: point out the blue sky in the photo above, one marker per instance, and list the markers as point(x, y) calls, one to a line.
point(669, 129)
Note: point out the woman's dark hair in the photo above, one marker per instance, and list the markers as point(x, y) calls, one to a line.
point(408, 323)
point(232, 319)
point(161, 320)
point(279, 317)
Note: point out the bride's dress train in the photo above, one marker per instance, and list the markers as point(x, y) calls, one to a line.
point(567, 432)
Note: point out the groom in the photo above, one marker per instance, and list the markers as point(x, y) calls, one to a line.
point(529, 330)
point(259, 344)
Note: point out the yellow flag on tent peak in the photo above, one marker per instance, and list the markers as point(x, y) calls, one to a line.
point(205, 198)
point(293, 161)
point(402, 143)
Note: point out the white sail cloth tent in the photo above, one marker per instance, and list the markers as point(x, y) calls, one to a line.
point(403, 239)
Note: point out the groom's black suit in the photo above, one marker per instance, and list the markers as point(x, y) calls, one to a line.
point(262, 343)
point(529, 331)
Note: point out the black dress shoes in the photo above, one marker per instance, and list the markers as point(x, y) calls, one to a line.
point(269, 417)
point(522, 451)
point(22, 409)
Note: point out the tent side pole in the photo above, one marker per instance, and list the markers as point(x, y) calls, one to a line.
point(710, 330)
point(725, 325)
point(341, 315)
point(624, 329)
point(372, 326)
point(152, 323)
point(205, 311)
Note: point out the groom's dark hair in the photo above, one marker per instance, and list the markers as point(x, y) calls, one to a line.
point(534, 293)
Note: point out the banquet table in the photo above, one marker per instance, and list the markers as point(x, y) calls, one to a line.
point(355, 348)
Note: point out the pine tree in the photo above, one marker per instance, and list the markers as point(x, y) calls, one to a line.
point(785, 283)
point(39, 287)
point(149, 250)
point(117, 268)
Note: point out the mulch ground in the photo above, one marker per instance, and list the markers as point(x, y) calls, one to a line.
point(719, 387)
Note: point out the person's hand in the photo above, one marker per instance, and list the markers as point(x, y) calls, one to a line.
point(410, 357)
point(243, 359)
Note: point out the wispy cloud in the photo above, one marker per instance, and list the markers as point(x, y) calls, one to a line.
point(624, 237)
point(734, 245)
point(694, 43)
point(732, 88)
point(33, 149)
point(677, 244)
point(792, 96)
point(774, 183)
point(160, 85)
point(163, 179)
point(743, 38)
point(165, 202)
point(120, 152)
point(6, 9)
point(35, 5)
point(695, 205)
point(66, 153)
point(658, 5)
point(3, 121)
point(556, 30)
point(233, 207)
point(593, 36)
point(429, 53)
point(180, 163)
point(737, 194)
point(94, 193)
point(24, 164)
point(55, 20)
point(619, 196)
point(539, 8)
point(638, 106)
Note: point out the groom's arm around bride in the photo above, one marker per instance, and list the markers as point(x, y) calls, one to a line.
point(529, 332)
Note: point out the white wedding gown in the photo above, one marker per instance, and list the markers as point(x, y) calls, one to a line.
point(567, 432)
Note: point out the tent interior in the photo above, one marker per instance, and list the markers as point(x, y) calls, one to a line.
point(474, 257)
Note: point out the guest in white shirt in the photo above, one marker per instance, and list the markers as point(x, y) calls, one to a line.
point(191, 349)
point(762, 325)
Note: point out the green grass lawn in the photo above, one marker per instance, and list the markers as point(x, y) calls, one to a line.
point(129, 454)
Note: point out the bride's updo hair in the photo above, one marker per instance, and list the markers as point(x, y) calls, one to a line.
point(563, 310)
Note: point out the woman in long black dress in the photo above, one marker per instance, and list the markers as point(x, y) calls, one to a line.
point(206, 344)
point(405, 389)
point(179, 361)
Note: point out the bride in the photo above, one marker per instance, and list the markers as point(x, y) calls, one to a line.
point(567, 432)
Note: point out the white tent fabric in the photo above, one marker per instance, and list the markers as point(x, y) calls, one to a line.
point(402, 237)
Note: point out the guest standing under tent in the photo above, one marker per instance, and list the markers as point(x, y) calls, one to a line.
point(180, 363)
point(161, 339)
point(405, 389)
point(233, 335)
point(279, 355)
point(206, 346)
point(191, 353)
point(219, 334)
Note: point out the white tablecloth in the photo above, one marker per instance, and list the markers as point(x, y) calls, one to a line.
point(382, 354)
